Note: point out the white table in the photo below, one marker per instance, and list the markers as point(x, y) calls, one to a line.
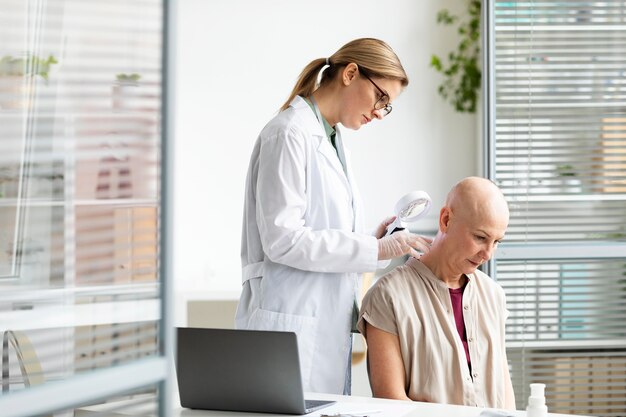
point(377, 407)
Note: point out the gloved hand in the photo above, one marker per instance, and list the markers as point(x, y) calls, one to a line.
point(381, 230)
point(402, 243)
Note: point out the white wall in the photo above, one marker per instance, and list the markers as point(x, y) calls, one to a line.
point(237, 61)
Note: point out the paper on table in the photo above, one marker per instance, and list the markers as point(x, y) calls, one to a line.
point(365, 409)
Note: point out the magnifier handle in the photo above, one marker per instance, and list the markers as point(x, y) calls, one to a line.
point(394, 230)
point(397, 229)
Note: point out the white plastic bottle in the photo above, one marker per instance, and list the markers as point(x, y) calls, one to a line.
point(537, 401)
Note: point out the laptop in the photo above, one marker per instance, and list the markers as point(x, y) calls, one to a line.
point(241, 370)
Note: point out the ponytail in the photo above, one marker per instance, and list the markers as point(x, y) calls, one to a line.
point(307, 82)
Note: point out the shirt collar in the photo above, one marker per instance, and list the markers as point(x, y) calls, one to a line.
point(327, 127)
point(427, 273)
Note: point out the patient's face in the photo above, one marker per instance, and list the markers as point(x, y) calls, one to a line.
point(472, 241)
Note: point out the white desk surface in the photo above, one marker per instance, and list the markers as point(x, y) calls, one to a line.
point(375, 406)
point(361, 406)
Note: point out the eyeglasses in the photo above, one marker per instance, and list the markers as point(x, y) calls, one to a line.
point(383, 102)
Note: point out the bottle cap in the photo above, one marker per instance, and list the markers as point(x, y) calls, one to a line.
point(537, 395)
point(537, 390)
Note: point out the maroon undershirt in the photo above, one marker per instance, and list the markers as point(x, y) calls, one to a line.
point(456, 296)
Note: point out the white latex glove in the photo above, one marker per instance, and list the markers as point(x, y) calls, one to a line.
point(402, 243)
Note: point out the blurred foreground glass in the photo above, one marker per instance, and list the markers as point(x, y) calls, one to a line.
point(80, 114)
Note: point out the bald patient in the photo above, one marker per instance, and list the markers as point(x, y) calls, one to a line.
point(435, 325)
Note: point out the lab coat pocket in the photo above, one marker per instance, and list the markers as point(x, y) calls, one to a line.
point(304, 327)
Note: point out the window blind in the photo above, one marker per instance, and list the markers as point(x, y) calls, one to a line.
point(80, 163)
point(559, 155)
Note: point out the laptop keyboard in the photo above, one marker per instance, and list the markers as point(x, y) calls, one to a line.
point(312, 405)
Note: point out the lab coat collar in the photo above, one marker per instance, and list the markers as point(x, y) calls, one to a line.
point(308, 117)
point(324, 146)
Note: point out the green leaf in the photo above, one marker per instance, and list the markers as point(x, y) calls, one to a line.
point(134, 77)
point(462, 75)
point(435, 62)
point(445, 17)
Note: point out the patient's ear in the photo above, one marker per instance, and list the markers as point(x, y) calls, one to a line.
point(445, 214)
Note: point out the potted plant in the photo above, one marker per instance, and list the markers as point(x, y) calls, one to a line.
point(462, 73)
point(124, 89)
point(29, 65)
point(567, 179)
point(14, 74)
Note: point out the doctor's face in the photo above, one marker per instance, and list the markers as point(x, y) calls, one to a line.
point(362, 97)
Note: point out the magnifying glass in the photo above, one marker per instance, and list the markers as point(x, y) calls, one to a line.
point(409, 209)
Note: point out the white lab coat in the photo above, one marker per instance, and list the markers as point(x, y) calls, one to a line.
point(301, 258)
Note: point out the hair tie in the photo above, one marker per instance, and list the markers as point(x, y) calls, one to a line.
point(327, 61)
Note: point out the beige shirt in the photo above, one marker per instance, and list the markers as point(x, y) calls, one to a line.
point(414, 304)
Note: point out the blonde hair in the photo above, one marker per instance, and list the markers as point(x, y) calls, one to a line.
point(374, 58)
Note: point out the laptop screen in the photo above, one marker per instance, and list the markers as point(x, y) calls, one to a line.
point(239, 370)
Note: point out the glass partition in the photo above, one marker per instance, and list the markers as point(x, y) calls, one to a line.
point(80, 192)
point(559, 155)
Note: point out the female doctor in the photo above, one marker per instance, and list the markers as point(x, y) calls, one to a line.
point(303, 247)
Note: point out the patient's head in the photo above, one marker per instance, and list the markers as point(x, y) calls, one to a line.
point(471, 223)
